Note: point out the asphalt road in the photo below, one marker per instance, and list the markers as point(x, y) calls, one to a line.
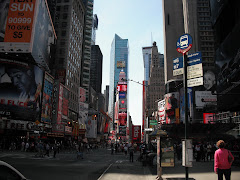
point(97, 165)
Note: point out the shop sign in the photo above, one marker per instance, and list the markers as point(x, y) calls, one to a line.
point(23, 125)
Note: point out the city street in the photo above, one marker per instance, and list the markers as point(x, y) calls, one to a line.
point(99, 164)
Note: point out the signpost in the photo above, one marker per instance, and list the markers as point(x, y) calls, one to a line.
point(184, 44)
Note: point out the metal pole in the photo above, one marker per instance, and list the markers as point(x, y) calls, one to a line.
point(186, 111)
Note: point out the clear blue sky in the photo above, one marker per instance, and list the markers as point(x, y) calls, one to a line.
point(134, 20)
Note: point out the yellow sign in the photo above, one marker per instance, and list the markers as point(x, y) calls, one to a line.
point(37, 122)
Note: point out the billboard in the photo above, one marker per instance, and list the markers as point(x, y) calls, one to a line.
point(171, 100)
point(47, 98)
point(82, 113)
point(120, 64)
point(122, 95)
point(204, 98)
point(65, 103)
point(208, 118)
point(82, 94)
point(136, 133)
point(26, 27)
point(122, 87)
point(122, 117)
point(20, 90)
point(161, 111)
point(17, 21)
point(123, 104)
point(91, 127)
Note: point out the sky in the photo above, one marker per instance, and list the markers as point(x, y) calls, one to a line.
point(139, 21)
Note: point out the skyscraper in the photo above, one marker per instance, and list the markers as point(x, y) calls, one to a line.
point(118, 63)
point(96, 68)
point(85, 75)
point(69, 24)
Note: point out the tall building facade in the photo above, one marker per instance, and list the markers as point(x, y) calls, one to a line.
point(86, 62)
point(156, 89)
point(69, 25)
point(118, 63)
point(96, 68)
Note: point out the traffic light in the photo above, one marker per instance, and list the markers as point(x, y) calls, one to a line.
point(69, 123)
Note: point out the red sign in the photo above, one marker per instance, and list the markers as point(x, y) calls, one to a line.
point(122, 119)
point(136, 133)
point(208, 118)
point(122, 87)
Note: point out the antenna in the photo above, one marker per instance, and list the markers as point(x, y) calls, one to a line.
point(151, 39)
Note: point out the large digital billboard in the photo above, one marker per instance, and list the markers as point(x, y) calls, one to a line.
point(47, 98)
point(20, 90)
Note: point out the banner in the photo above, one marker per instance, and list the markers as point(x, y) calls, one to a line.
point(19, 21)
point(47, 98)
point(20, 90)
point(136, 133)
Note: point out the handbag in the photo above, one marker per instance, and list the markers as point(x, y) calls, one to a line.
point(230, 159)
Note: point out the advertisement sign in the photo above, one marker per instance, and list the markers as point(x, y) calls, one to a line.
point(82, 94)
point(171, 100)
point(116, 111)
point(91, 128)
point(44, 34)
point(58, 128)
point(208, 118)
point(136, 133)
point(65, 103)
point(120, 64)
point(204, 98)
point(122, 95)
point(83, 112)
point(23, 125)
point(122, 130)
point(20, 20)
point(122, 87)
point(26, 27)
point(60, 104)
point(122, 117)
point(123, 104)
point(20, 90)
point(161, 111)
point(47, 98)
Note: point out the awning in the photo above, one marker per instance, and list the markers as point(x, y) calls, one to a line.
point(159, 132)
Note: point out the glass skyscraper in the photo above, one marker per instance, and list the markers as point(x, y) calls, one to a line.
point(118, 63)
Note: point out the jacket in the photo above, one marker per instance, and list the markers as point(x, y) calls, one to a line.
point(221, 159)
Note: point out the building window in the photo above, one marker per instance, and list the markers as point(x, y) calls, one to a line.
point(61, 60)
point(64, 33)
point(65, 15)
point(65, 8)
point(64, 24)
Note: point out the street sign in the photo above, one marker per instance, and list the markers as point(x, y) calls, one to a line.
point(184, 43)
point(195, 82)
point(194, 68)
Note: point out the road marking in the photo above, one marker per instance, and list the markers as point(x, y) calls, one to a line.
point(105, 171)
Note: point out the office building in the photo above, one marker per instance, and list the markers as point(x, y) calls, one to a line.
point(118, 63)
point(86, 62)
point(69, 25)
point(96, 68)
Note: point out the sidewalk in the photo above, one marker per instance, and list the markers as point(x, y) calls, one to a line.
point(199, 171)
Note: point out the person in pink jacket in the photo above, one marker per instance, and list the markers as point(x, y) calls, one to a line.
point(221, 164)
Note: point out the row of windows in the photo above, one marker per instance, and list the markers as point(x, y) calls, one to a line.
point(62, 8)
point(59, 1)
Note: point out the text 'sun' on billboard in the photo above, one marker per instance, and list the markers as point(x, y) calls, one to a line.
point(20, 21)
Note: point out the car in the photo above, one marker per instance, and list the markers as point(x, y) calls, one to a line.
point(7, 172)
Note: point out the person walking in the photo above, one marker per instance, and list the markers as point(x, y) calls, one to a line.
point(131, 150)
point(55, 149)
point(223, 159)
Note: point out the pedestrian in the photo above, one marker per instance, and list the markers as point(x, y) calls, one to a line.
point(55, 148)
point(26, 146)
point(47, 150)
point(131, 150)
point(22, 146)
point(223, 159)
point(125, 149)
